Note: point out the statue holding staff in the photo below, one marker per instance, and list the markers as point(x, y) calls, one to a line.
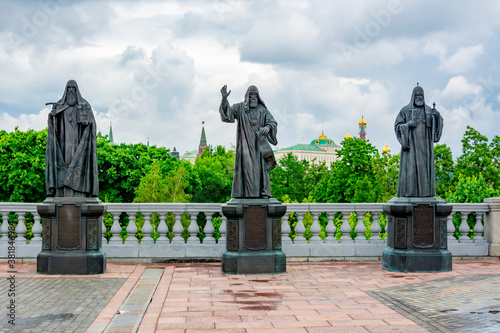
point(418, 127)
point(71, 153)
point(254, 156)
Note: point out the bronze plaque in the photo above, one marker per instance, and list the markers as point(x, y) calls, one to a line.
point(423, 226)
point(68, 230)
point(400, 231)
point(232, 235)
point(255, 228)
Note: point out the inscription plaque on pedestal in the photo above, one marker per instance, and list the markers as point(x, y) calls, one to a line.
point(68, 232)
point(423, 226)
point(255, 228)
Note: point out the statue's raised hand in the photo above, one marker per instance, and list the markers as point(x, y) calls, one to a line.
point(224, 92)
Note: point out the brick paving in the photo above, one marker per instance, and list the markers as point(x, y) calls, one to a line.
point(467, 303)
point(57, 304)
point(310, 297)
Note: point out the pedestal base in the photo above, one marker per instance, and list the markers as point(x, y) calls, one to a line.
point(417, 235)
point(253, 237)
point(413, 261)
point(71, 236)
point(264, 262)
point(61, 263)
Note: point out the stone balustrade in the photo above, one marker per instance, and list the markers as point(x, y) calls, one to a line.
point(164, 231)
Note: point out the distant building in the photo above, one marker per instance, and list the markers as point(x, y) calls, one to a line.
point(203, 140)
point(319, 150)
point(175, 153)
point(362, 128)
point(192, 155)
point(386, 149)
point(110, 136)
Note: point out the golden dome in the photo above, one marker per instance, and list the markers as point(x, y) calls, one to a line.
point(322, 136)
point(386, 148)
point(362, 121)
point(347, 136)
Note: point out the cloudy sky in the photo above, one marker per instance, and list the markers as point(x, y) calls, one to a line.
point(154, 68)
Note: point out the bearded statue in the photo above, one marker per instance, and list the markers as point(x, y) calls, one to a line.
point(71, 155)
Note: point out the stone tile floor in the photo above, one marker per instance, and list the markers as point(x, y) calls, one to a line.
point(310, 297)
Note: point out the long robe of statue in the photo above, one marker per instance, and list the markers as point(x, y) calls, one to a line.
point(254, 156)
point(418, 127)
point(71, 141)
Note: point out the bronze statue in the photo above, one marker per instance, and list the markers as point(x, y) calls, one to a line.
point(254, 156)
point(71, 155)
point(418, 127)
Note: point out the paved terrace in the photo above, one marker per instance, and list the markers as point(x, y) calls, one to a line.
point(310, 297)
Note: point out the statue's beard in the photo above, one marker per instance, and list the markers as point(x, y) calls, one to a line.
point(419, 102)
point(253, 103)
point(71, 98)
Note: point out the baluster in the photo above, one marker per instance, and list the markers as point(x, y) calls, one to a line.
point(360, 227)
point(104, 240)
point(330, 228)
point(223, 230)
point(147, 229)
point(285, 230)
point(21, 228)
point(193, 229)
point(178, 229)
point(209, 230)
point(116, 230)
point(375, 228)
point(162, 228)
point(131, 229)
point(36, 230)
point(464, 228)
point(479, 228)
point(345, 228)
point(4, 228)
point(300, 229)
point(450, 228)
point(315, 229)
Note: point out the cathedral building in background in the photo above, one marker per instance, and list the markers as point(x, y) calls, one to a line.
point(319, 150)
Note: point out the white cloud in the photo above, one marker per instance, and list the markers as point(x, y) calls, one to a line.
point(463, 60)
point(458, 88)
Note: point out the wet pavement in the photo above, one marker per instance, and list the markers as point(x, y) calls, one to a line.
point(310, 297)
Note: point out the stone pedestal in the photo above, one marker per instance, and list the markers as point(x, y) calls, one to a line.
point(253, 237)
point(71, 236)
point(492, 226)
point(417, 235)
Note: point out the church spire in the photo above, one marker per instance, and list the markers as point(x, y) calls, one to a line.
point(110, 136)
point(203, 140)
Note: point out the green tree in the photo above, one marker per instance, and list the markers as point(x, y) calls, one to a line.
point(213, 175)
point(121, 167)
point(153, 187)
point(287, 179)
point(353, 164)
point(22, 166)
point(471, 189)
point(444, 165)
point(386, 168)
point(478, 157)
point(177, 182)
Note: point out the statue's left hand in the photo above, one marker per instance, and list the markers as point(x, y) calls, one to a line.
point(264, 130)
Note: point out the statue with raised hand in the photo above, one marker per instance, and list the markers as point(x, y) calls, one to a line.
point(254, 156)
